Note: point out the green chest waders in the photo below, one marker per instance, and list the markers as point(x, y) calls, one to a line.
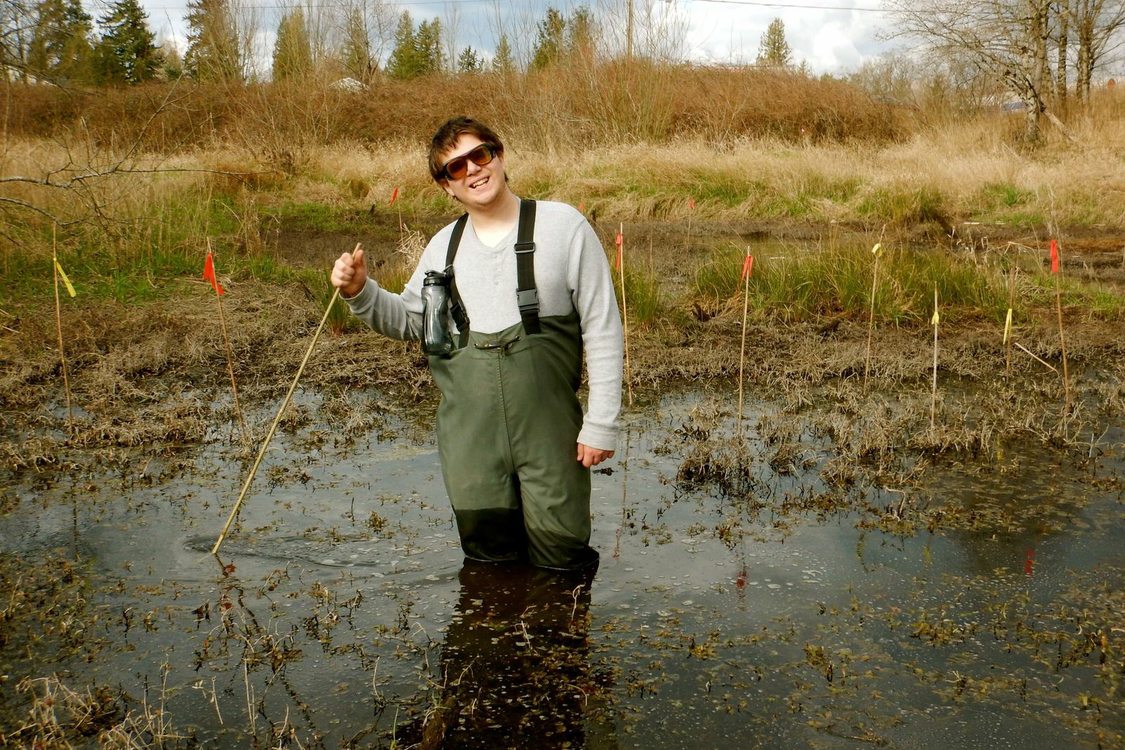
point(508, 428)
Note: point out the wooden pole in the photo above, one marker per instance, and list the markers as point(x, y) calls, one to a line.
point(1008, 322)
point(1062, 340)
point(230, 361)
point(933, 391)
point(747, 267)
point(273, 427)
point(624, 309)
point(871, 316)
point(58, 327)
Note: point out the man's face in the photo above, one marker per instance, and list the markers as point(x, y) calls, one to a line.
point(480, 185)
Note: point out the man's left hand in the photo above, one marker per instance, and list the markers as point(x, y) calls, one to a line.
point(588, 456)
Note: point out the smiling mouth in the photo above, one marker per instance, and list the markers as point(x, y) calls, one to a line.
point(478, 183)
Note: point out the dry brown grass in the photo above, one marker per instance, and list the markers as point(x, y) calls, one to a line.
point(581, 104)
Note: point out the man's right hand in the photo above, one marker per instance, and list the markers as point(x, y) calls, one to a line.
point(349, 274)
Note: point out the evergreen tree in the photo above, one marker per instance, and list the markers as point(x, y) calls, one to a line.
point(503, 63)
point(356, 53)
point(469, 61)
point(773, 50)
point(60, 48)
point(127, 51)
point(292, 52)
point(213, 50)
point(403, 62)
point(549, 45)
point(171, 62)
point(418, 52)
point(428, 41)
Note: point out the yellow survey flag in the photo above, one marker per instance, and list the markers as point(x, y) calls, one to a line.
point(875, 250)
point(65, 280)
point(936, 319)
point(1008, 326)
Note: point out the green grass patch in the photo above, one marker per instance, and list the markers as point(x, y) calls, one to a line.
point(643, 295)
point(1004, 195)
point(904, 206)
point(320, 217)
point(807, 284)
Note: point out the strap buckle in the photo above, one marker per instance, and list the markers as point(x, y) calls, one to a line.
point(525, 247)
point(527, 298)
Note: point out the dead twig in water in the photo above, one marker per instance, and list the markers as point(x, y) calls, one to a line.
point(1037, 359)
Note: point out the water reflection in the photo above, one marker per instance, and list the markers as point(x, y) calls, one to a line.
point(515, 666)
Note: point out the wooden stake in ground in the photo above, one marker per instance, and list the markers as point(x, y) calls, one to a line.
point(1008, 322)
point(60, 273)
point(620, 263)
point(871, 317)
point(394, 199)
point(691, 213)
point(747, 269)
point(1055, 271)
point(209, 275)
point(273, 427)
point(933, 391)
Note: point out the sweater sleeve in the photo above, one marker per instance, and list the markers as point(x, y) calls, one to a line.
point(602, 340)
point(398, 316)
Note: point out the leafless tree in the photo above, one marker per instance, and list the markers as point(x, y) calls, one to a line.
point(1099, 30)
point(17, 21)
point(1004, 39)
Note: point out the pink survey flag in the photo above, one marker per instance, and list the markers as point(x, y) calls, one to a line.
point(1054, 256)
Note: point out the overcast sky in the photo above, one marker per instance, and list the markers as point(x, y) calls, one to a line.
point(833, 36)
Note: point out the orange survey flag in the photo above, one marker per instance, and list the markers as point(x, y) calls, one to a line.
point(747, 268)
point(1054, 256)
point(394, 196)
point(209, 274)
point(691, 203)
point(620, 242)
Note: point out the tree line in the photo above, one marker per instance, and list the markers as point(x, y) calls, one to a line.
point(59, 42)
point(1042, 52)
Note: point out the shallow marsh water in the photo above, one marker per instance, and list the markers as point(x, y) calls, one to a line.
point(750, 614)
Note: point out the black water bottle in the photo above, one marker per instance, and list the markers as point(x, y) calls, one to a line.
point(436, 340)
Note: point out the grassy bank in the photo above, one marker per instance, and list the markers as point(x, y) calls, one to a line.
point(124, 224)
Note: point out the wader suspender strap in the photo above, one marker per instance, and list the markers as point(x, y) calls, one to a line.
point(527, 296)
point(456, 309)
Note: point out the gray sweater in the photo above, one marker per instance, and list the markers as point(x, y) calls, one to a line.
point(571, 273)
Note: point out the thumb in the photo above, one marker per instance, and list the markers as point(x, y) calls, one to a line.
point(357, 257)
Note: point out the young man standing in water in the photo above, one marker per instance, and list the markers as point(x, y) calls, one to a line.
point(516, 449)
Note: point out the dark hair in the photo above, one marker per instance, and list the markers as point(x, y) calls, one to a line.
point(446, 137)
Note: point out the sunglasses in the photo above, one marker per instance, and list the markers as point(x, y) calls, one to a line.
point(455, 169)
